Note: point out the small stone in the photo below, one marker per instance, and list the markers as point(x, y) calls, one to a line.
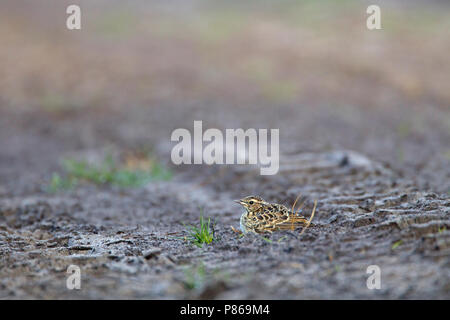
point(52, 244)
point(34, 254)
point(151, 253)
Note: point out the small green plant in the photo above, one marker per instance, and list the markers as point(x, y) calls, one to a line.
point(397, 244)
point(204, 234)
point(195, 276)
point(58, 183)
point(266, 239)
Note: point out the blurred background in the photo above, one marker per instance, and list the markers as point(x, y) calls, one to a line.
point(138, 70)
point(86, 118)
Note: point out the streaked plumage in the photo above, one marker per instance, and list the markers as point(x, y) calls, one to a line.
point(261, 216)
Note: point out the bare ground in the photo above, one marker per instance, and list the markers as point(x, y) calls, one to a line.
point(363, 129)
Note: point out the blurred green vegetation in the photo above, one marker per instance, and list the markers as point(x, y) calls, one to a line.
point(59, 183)
point(108, 172)
point(195, 276)
point(117, 22)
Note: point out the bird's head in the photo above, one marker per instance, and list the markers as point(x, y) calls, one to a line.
point(251, 203)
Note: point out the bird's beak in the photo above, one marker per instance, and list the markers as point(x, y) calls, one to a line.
point(238, 201)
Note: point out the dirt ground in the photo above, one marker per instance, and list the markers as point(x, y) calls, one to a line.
point(364, 119)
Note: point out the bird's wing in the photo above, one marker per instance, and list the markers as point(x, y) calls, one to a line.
point(296, 220)
point(292, 223)
point(278, 217)
point(273, 216)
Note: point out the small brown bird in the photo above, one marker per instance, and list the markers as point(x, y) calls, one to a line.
point(261, 216)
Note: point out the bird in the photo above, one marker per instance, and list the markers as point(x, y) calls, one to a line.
point(261, 216)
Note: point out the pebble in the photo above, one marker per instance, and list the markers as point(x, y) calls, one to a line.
point(151, 253)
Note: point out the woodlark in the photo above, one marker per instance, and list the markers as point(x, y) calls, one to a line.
point(261, 216)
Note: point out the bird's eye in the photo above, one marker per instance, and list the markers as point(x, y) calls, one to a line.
point(251, 202)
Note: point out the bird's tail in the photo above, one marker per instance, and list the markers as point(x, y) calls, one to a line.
point(310, 218)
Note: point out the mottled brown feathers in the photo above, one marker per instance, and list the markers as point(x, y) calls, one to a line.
point(261, 216)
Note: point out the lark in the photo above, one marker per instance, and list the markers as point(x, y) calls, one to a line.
point(261, 216)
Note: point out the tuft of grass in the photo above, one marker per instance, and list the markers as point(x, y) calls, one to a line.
point(396, 244)
point(108, 172)
point(203, 234)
